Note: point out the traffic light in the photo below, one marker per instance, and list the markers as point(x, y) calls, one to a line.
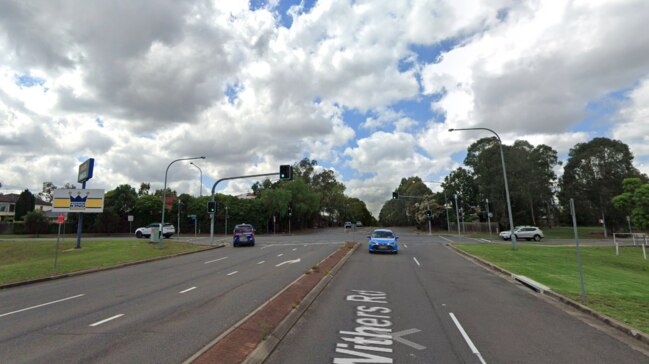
point(211, 207)
point(395, 195)
point(290, 212)
point(285, 172)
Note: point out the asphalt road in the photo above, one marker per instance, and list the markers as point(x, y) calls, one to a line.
point(159, 312)
point(430, 305)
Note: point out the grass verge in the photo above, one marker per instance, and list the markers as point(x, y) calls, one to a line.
point(24, 260)
point(617, 286)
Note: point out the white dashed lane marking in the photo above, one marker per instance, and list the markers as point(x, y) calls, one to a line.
point(215, 260)
point(187, 290)
point(106, 320)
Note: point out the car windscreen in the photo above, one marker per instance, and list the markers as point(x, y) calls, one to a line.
point(243, 229)
point(382, 234)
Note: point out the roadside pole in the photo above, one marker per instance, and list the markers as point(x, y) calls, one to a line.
point(56, 252)
point(457, 216)
point(574, 226)
point(488, 217)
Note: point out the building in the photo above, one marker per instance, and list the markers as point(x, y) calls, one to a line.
point(8, 206)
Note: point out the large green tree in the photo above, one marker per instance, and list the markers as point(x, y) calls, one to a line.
point(635, 202)
point(400, 212)
point(592, 176)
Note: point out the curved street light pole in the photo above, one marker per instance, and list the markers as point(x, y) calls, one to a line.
point(164, 197)
point(199, 168)
point(502, 159)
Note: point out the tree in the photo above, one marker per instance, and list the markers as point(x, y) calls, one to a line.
point(592, 176)
point(144, 189)
point(36, 223)
point(25, 203)
point(530, 175)
point(122, 200)
point(399, 212)
point(48, 190)
point(635, 202)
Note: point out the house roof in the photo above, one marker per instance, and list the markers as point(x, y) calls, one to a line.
point(13, 198)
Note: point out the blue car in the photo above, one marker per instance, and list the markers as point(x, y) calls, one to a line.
point(383, 241)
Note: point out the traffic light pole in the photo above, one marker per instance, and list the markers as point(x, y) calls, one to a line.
point(214, 199)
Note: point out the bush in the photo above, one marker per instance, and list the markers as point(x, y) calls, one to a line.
point(36, 223)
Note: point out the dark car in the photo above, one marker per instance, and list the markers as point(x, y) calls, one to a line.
point(244, 234)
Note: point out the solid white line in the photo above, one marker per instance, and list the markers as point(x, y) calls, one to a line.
point(235, 272)
point(262, 262)
point(416, 261)
point(466, 338)
point(106, 320)
point(41, 305)
point(215, 260)
point(187, 290)
point(449, 240)
point(279, 255)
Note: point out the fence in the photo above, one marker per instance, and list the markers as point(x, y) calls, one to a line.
point(626, 239)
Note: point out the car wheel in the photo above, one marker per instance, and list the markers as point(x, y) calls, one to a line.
point(138, 235)
point(537, 237)
point(167, 236)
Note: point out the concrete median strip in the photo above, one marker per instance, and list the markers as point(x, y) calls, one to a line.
point(252, 339)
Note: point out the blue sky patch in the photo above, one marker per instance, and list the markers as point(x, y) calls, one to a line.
point(99, 122)
point(232, 91)
point(601, 113)
point(26, 80)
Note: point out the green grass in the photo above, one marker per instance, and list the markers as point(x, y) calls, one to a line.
point(617, 286)
point(30, 259)
point(557, 232)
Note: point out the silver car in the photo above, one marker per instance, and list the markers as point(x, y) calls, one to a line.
point(524, 232)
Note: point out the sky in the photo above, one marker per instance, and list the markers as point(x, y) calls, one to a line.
point(368, 89)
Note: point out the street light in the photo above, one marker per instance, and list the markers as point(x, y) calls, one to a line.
point(502, 159)
point(199, 168)
point(164, 196)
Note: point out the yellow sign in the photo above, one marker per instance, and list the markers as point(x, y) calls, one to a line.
point(86, 201)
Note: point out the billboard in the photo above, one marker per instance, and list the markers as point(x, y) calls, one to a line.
point(73, 200)
point(85, 170)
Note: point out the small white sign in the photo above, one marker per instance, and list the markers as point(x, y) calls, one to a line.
point(130, 218)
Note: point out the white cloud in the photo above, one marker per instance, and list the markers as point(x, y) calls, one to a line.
point(218, 79)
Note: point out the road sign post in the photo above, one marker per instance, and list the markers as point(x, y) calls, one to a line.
point(574, 226)
point(60, 221)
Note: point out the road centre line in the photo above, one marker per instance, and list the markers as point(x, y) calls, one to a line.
point(449, 240)
point(295, 249)
point(41, 305)
point(262, 262)
point(187, 290)
point(106, 320)
point(466, 338)
point(279, 255)
point(235, 272)
point(416, 261)
point(405, 246)
point(215, 260)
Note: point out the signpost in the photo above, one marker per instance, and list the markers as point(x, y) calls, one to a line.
point(86, 169)
point(78, 201)
point(130, 222)
point(59, 220)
